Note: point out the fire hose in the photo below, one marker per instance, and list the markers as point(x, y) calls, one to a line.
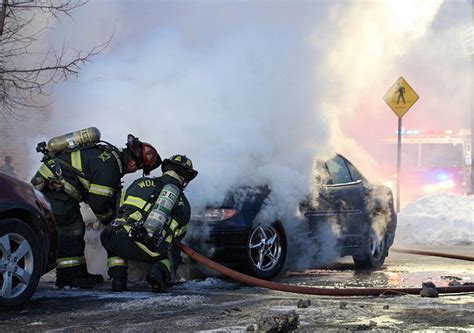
point(321, 291)
point(434, 254)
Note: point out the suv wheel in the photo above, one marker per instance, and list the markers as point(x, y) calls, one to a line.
point(20, 262)
point(266, 251)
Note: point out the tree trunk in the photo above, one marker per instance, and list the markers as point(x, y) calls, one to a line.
point(2, 15)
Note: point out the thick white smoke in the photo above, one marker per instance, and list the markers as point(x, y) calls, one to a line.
point(252, 92)
point(242, 106)
point(245, 88)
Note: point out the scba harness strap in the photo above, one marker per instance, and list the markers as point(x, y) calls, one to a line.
point(134, 223)
point(52, 171)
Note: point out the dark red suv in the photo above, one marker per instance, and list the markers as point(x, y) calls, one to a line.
point(28, 240)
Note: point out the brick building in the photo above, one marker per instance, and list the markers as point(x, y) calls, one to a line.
point(11, 145)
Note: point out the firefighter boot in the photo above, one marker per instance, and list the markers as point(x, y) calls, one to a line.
point(157, 278)
point(74, 277)
point(119, 278)
point(89, 278)
point(119, 284)
point(67, 277)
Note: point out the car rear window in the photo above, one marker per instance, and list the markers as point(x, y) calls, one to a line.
point(338, 171)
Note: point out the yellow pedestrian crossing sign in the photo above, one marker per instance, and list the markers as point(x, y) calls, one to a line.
point(400, 97)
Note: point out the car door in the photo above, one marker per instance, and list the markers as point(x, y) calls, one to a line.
point(318, 208)
point(347, 192)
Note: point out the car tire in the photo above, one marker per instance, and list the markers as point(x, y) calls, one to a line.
point(266, 251)
point(20, 262)
point(374, 253)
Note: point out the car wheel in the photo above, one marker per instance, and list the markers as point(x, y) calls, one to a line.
point(374, 253)
point(266, 251)
point(20, 262)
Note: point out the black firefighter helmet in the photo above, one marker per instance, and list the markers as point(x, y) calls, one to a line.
point(182, 165)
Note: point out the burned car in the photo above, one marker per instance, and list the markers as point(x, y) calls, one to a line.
point(362, 212)
point(28, 240)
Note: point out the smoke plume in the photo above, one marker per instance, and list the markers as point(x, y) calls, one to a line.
point(252, 92)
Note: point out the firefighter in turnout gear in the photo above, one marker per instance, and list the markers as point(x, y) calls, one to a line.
point(153, 212)
point(90, 174)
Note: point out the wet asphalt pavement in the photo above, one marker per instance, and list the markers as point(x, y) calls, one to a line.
point(217, 304)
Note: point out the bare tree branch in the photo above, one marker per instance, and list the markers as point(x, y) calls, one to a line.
point(27, 76)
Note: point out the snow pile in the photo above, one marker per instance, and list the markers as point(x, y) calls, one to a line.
point(439, 219)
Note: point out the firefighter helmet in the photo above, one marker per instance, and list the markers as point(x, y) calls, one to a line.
point(182, 165)
point(144, 154)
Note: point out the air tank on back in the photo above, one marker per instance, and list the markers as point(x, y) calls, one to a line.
point(84, 137)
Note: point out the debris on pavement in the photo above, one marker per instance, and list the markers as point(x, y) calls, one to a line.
point(278, 322)
point(450, 277)
point(250, 328)
point(303, 303)
point(232, 310)
point(428, 290)
point(343, 305)
point(365, 327)
point(386, 307)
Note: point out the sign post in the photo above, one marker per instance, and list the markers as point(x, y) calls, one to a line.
point(400, 98)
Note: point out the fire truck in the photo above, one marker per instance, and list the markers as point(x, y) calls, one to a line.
point(433, 161)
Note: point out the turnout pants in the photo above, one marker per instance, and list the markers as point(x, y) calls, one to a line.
point(71, 229)
point(120, 248)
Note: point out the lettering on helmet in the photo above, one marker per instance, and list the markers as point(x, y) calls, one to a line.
point(105, 156)
point(146, 183)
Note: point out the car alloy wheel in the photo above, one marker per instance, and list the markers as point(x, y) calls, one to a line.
point(265, 249)
point(16, 264)
point(20, 262)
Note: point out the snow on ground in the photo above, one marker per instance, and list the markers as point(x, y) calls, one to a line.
point(67, 293)
point(209, 283)
point(439, 219)
point(154, 300)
